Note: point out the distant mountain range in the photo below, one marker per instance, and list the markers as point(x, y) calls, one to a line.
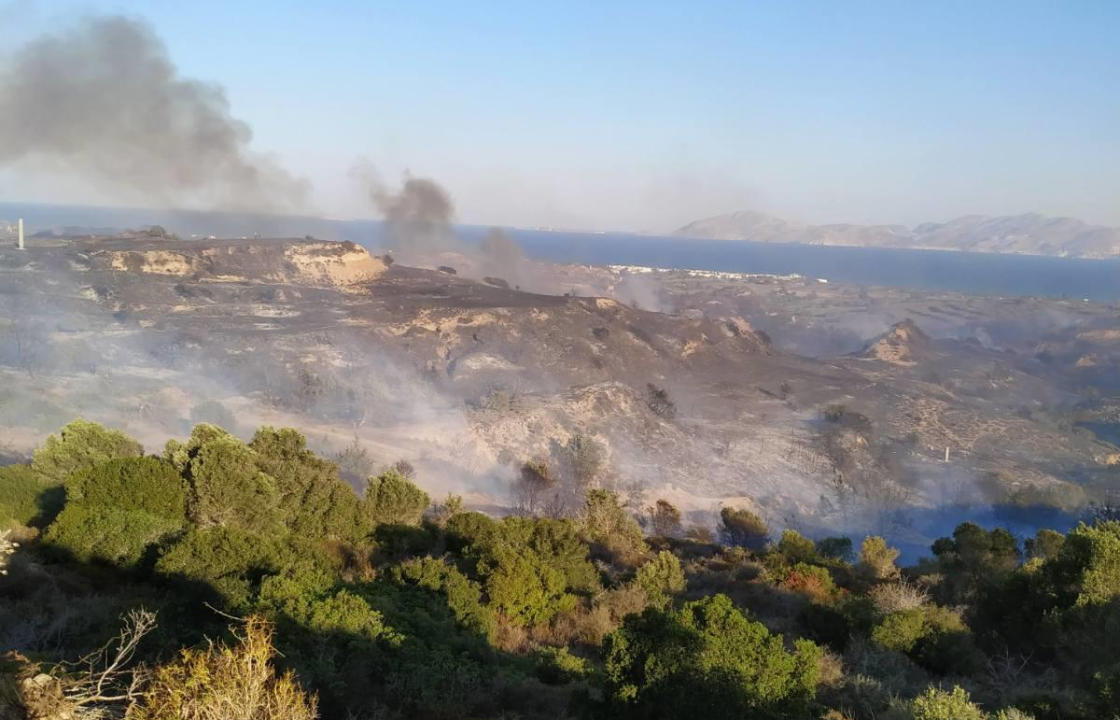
point(1029, 234)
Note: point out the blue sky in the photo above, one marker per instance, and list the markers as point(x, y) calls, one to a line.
point(643, 116)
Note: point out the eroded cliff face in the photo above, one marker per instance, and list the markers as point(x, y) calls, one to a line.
point(343, 266)
point(332, 264)
point(157, 262)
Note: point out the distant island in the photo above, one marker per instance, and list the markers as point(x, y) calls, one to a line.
point(1028, 234)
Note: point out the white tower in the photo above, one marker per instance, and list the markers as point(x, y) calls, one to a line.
point(19, 232)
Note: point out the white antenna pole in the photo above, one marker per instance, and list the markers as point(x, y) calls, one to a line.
point(20, 232)
point(946, 453)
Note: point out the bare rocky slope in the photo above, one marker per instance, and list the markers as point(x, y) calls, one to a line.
point(1030, 234)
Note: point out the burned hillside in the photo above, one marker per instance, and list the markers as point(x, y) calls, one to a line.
point(468, 379)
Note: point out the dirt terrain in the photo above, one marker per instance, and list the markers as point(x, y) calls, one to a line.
point(824, 407)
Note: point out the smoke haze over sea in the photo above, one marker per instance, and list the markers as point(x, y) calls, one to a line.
point(978, 273)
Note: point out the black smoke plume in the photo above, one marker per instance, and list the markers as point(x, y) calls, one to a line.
point(418, 216)
point(104, 101)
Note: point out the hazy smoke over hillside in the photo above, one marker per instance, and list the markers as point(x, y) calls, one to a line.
point(418, 215)
point(418, 222)
point(103, 100)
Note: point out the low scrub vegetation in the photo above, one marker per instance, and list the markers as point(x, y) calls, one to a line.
point(249, 580)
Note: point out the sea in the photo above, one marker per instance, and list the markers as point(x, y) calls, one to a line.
point(965, 272)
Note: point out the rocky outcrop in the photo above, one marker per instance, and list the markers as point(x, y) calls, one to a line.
point(324, 264)
point(156, 262)
point(333, 264)
point(903, 344)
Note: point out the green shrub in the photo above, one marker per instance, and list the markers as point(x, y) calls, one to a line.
point(556, 543)
point(108, 534)
point(876, 560)
point(81, 444)
point(464, 596)
point(707, 660)
point(1045, 545)
point(796, 547)
point(938, 704)
point(529, 567)
point(951, 652)
point(900, 631)
point(661, 578)
point(25, 499)
point(230, 561)
point(826, 624)
point(313, 501)
point(835, 548)
point(228, 489)
point(321, 611)
point(526, 592)
point(743, 528)
point(948, 646)
point(464, 530)
point(1089, 562)
point(118, 509)
point(557, 665)
point(935, 637)
point(144, 484)
point(972, 559)
point(393, 499)
point(611, 529)
point(179, 454)
point(1012, 714)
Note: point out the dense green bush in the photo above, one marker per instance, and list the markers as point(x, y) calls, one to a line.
point(321, 609)
point(937, 704)
point(707, 660)
point(25, 498)
point(973, 558)
point(900, 631)
point(935, 637)
point(230, 560)
point(81, 444)
point(464, 596)
point(743, 528)
point(796, 547)
point(312, 500)
point(1088, 564)
point(835, 548)
point(393, 499)
point(531, 568)
point(145, 484)
point(559, 665)
point(229, 490)
point(383, 613)
point(661, 578)
point(119, 509)
point(1045, 545)
point(108, 534)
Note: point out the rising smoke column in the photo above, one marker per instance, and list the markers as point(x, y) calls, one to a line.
point(418, 219)
point(103, 100)
point(418, 216)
